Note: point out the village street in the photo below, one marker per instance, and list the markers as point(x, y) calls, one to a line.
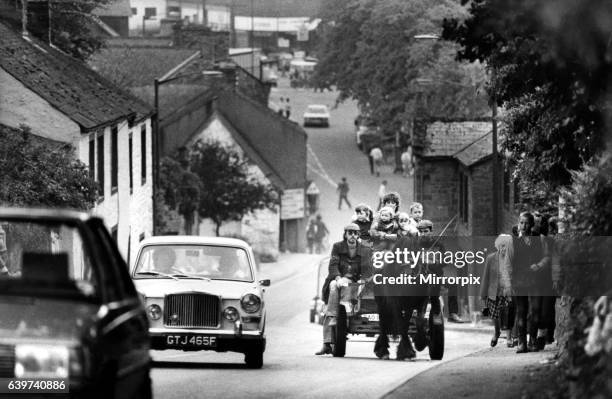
point(290, 367)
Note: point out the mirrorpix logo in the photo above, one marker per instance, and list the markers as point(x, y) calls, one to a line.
point(459, 259)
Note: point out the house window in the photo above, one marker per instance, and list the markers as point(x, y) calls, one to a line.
point(173, 12)
point(463, 197)
point(150, 12)
point(100, 168)
point(114, 160)
point(134, 11)
point(143, 154)
point(92, 159)
point(506, 189)
point(130, 164)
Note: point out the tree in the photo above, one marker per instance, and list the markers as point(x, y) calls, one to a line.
point(180, 190)
point(42, 174)
point(552, 63)
point(228, 190)
point(369, 52)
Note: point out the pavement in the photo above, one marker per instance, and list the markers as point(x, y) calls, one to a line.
point(497, 373)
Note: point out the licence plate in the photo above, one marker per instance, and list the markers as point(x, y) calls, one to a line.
point(194, 340)
point(371, 316)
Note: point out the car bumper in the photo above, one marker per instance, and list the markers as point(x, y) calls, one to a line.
point(316, 121)
point(236, 340)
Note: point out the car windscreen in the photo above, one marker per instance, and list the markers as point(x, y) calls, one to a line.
point(317, 110)
point(46, 256)
point(193, 261)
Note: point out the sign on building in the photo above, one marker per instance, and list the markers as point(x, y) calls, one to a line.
point(292, 204)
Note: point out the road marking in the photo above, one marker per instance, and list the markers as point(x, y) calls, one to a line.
point(318, 167)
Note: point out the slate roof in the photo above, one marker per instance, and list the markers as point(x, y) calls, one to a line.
point(447, 138)
point(118, 8)
point(475, 151)
point(67, 84)
point(137, 66)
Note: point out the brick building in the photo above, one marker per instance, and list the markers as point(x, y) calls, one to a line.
point(454, 178)
point(63, 100)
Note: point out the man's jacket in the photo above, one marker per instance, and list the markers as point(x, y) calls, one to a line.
point(340, 264)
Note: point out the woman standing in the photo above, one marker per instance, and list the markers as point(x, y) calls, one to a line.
point(495, 289)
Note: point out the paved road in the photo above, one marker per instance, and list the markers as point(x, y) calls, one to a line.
point(291, 369)
point(337, 152)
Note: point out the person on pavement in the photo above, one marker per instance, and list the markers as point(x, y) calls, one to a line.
point(349, 262)
point(311, 233)
point(377, 156)
point(321, 233)
point(343, 189)
point(496, 288)
point(407, 165)
point(287, 109)
point(529, 258)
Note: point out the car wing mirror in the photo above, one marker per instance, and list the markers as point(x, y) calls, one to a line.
point(264, 283)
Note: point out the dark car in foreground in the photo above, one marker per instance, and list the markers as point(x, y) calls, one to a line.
point(69, 310)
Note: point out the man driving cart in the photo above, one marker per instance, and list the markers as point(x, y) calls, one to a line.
point(349, 262)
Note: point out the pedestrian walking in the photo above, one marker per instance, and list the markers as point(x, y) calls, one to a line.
point(321, 233)
point(281, 107)
point(343, 189)
point(377, 156)
point(407, 165)
point(312, 195)
point(311, 233)
point(496, 289)
point(382, 191)
point(287, 109)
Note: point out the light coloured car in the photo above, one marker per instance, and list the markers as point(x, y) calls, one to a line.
point(316, 115)
point(202, 293)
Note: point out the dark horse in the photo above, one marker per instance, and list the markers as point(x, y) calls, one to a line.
point(396, 303)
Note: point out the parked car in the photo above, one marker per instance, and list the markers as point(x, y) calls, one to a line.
point(316, 114)
point(367, 133)
point(202, 293)
point(68, 307)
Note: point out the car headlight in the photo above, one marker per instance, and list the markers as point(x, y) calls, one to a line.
point(154, 312)
point(231, 313)
point(250, 303)
point(44, 361)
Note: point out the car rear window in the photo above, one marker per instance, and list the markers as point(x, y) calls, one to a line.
point(46, 254)
point(317, 109)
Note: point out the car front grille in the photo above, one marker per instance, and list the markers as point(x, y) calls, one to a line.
point(7, 361)
point(191, 311)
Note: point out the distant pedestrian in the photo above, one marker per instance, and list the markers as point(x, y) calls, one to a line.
point(382, 191)
point(321, 233)
point(281, 107)
point(312, 195)
point(311, 233)
point(407, 164)
point(343, 189)
point(287, 109)
point(377, 156)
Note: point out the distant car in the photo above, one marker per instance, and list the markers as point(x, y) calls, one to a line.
point(366, 132)
point(316, 115)
point(202, 293)
point(68, 307)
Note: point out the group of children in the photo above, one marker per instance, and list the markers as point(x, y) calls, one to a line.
point(390, 224)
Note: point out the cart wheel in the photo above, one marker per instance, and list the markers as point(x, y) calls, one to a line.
point(436, 339)
point(339, 348)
